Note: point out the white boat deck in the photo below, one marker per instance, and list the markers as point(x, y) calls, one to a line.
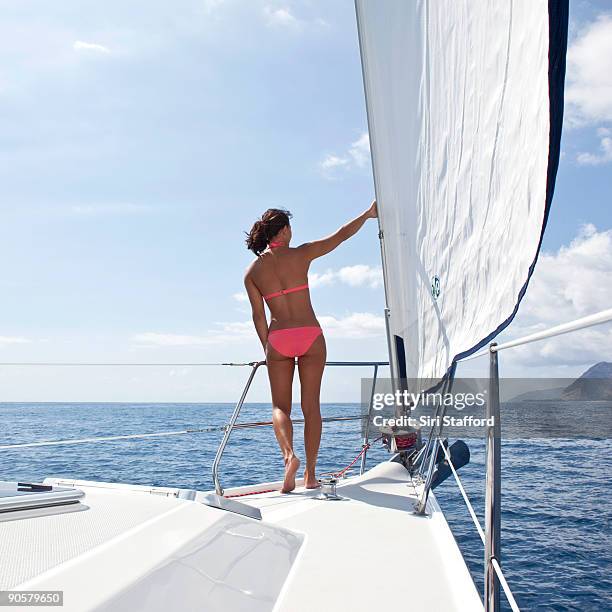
point(132, 547)
point(140, 548)
point(370, 548)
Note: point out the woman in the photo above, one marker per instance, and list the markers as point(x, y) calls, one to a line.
point(279, 276)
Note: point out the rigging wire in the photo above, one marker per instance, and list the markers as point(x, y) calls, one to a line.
point(72, 441)
point(103, 364)
point(466, 499)
point(160, 434)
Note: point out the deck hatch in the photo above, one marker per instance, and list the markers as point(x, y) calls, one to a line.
point(16, 496)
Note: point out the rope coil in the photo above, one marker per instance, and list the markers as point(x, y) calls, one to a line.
point(364, 449)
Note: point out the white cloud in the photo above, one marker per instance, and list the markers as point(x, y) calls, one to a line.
point(226, 332)
point(8, 340)
point(235, 329)
point(605, 144)
point(283, 17)
point(357, 156)
point(359, 275)
point(280, 17)
point(159, 339)
point(321, 279)
point(211, 5)
point(589, 78)
point(80, 45)
point(574, 282)
point(360, 150)
point(333, 161)
point(241, 297)
point(354, 326)
point(588, 92)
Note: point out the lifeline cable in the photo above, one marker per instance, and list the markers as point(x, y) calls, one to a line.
point(111, 438)
point(97, 364)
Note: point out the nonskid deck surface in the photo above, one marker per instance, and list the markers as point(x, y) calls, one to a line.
point(141, 548)
point(135, 547)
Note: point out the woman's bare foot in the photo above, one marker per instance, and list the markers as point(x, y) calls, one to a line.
point(291, 467)
point(310, 480)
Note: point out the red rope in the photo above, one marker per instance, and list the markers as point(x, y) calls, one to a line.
point(251, 493)
point(354, 461)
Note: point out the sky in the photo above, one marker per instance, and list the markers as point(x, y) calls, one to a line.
point(139, 140)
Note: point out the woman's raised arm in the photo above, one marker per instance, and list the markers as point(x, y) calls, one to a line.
point(318, 248)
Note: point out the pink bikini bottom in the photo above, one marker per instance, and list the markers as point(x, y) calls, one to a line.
point(294, 341)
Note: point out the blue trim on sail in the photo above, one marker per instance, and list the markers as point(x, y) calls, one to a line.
point(557, 48)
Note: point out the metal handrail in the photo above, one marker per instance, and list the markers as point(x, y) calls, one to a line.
point(255, 365)
point(493, 576)
point(492, 487)
point(605, 316)
point(254, 424)
point(366, 432)
point(230, 426)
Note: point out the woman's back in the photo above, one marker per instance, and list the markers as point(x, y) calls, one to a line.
point(277, 270)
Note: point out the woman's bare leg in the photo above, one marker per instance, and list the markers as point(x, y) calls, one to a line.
point(310, 368)
point(280, 373)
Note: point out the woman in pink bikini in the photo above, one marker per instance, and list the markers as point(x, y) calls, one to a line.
point(279, 276)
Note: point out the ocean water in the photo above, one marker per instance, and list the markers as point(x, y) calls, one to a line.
point(556, 543)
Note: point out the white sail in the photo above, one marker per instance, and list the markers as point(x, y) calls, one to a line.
point(465, 102)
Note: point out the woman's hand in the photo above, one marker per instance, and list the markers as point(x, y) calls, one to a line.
point(372, 212)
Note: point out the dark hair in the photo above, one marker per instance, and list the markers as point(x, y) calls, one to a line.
point(264, 229)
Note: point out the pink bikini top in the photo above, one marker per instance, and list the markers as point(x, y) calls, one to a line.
point(285, 291)
point(273, 245)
